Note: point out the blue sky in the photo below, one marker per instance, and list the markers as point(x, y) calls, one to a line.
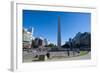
point(45, 24)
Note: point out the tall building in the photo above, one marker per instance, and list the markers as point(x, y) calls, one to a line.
point(82, 40)
point(59, 34)
point(30, 29)
point(27, 37)
point(40, 42)
point(45, 42)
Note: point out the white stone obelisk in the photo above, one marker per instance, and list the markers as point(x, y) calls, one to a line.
point(59, 34)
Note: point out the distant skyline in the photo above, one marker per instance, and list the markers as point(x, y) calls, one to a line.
point(45, 24)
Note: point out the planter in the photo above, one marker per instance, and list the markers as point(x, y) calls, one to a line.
point(41, 57)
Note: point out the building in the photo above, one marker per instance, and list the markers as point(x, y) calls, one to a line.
point(45, 42)
point(82, 38)
point(27, 37)
point(82, 41)
point(40, 42)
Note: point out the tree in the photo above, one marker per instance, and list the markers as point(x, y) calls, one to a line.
point(51, 45)
point(66, 45)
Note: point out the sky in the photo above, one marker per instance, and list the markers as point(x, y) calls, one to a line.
point(45, 24)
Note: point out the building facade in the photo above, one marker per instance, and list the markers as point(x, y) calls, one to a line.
point(40, 42)
point(27, 37)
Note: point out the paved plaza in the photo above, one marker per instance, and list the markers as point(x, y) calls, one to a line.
point(56, 56)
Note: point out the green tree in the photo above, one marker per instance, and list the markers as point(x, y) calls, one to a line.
point(51, 45)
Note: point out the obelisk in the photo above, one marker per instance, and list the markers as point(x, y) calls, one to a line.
point(59, 34)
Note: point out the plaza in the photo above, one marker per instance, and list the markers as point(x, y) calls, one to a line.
point(56, 56)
